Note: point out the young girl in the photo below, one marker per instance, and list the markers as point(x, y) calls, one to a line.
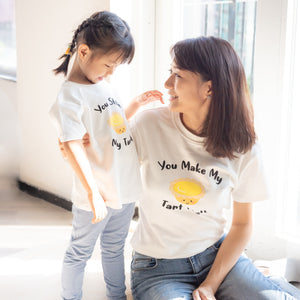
point(102, 190)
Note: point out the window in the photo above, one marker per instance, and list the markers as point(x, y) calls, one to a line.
point(232, 20)
point(8, 58)
point(139, 75)
point(289, 207)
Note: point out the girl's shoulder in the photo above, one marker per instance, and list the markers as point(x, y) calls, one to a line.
point(69, 92)
point(78, 92)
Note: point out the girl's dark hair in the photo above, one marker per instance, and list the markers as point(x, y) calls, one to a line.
point(103, 31)
point(229, 125)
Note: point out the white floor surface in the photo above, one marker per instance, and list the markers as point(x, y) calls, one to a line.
point(33, 237)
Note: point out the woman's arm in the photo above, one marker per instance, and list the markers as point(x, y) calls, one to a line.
point(141, 100)
point(76, 155)
point(229, 252)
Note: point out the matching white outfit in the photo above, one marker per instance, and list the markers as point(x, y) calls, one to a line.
point(185, 188)
point(95, 109)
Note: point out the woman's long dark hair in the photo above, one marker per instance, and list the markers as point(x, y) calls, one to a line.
point(229, 126)
point(103, 31)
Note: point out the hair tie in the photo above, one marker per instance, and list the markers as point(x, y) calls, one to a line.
point(68, 51)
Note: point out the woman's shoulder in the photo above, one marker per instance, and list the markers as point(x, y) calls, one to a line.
point(153, 115)
point(251, 157)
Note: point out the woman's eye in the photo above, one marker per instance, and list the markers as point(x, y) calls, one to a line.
point(107, 66)
point(176, 75)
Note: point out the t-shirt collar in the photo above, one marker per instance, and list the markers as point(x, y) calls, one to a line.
point(185, 132)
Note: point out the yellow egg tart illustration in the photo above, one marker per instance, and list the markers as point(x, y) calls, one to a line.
point(187, 191)
point(116, 121)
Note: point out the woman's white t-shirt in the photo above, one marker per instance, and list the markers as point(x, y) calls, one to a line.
point(186, 189)
point(96, 109)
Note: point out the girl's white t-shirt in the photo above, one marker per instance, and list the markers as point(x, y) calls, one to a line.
point(186, 189)
point(96, 109)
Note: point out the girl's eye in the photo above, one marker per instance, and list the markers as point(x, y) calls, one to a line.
point(107, 66)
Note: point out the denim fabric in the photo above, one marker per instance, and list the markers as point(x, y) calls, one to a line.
point(112, 231)
point(172, 279)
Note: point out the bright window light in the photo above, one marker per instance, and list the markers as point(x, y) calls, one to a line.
point(8, 57)
point(289, 195)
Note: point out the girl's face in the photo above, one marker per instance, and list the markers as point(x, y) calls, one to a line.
point(188, 91)
point(96, 68)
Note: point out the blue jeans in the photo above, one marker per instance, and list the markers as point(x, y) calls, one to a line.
point(113, 231)
point(170, 279)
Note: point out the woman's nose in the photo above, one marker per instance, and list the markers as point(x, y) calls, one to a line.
point(170, 82)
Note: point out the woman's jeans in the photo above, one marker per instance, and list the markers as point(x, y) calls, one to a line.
point(113, 231)
point(166, 279)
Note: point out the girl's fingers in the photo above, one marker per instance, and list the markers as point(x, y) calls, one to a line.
point(155, 94)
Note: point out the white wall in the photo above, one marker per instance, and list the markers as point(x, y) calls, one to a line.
point(44, 29)
point(9, 137)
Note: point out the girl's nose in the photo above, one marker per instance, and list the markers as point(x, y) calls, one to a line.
point(110, 71)
point(170, 82)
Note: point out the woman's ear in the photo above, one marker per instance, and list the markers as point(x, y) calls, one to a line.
point(83, 51)
point(209, 88)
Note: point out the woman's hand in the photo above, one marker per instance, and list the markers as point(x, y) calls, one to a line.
point(203, 293)
point(86, 140)
point(62, 149)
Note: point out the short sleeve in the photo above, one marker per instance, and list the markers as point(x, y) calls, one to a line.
point(66, 114)
point(252, 184)
point(134, 130)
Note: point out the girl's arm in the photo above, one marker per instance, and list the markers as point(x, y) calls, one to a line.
point(141, 100)
point(75, 153)
point(229, 252)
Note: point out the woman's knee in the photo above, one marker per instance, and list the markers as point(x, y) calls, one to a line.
point(246, 282)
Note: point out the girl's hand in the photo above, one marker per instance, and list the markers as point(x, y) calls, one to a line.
point(203, 293)
point(149, 96)
point(98, 206)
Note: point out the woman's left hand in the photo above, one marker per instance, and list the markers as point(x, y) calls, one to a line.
point(203, 293)
point(149, 96)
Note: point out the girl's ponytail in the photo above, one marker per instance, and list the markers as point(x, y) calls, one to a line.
point(63, 68)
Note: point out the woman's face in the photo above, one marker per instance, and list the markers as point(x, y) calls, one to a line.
point(188, 91)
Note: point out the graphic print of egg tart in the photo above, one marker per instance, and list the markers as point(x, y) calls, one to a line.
point(187, 191)
point(116, 121)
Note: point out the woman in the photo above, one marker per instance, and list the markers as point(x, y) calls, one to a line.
point(197, 155)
